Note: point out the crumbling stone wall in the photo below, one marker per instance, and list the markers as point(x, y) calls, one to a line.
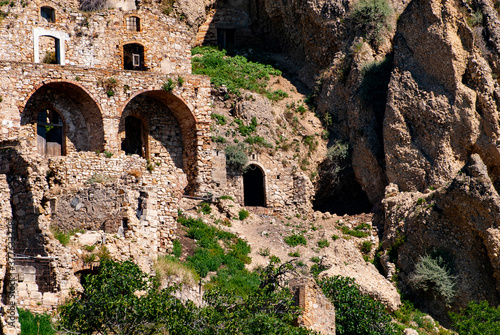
point(318, 313)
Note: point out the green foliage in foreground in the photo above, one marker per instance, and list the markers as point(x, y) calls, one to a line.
point(477, 319)
point(110, 304)
point(233, 72)
point(355, 313)
point(34, 324)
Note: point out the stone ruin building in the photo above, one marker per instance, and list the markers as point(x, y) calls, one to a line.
point(103, 130)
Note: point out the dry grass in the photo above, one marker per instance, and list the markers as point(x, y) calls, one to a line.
point(166, 267)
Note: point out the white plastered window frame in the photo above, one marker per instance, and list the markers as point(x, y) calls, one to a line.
point(60, 38)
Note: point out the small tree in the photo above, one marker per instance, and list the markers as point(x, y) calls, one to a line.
point(371, 17)
point(236, 156)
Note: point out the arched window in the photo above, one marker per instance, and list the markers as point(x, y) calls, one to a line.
point(133, 57)
point(133, 23)
point(253, 186)
point(48, 13)
point(49, 133)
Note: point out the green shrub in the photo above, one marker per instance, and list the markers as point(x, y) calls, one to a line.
point(276, 95)
point(226, 197)
point(236, 156)
point(476, 19)
point(108, 154)
point(220, 119)
point(295, 239)
point(355, 313)
point(338, 151)
point(335, 237)
point(371, 17)
point(478, 318)
point(233, 72)
point(168, 85)
point(354, 232)
point(433, 275)
point(243, 214)
point(246, 130)
point(294, 254)
point(205, 208)
point(323, 243)
point(366, 247)
point(34, 324)
point(177, 248)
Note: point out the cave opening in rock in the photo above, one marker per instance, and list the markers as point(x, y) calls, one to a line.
point(338, 191)
point(253, 186)
point(134, 143)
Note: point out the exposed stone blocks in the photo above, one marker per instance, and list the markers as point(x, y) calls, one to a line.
point(318, 313)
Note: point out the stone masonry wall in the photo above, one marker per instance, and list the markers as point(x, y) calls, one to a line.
point(318, 313)
point(189, 104)
point(94, 39)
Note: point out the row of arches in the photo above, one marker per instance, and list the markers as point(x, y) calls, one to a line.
point(151, 124)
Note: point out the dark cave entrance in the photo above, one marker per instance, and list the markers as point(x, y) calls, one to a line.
point(134, 142)
point(338, 191)
point(253, 187)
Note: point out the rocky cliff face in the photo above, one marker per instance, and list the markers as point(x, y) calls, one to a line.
point(419, 111)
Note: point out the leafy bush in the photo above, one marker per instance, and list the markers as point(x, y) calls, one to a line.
point(432, 275)
point(168, 85)
point(366, 247)
point(294, 240)
point(356, 232)
point(276, 95)
point(323, 243)
point(34, 324)
point(477, 319)
point(243, 214)
point(226, 197)
point(204, 207)
point(355, 313)
point(233, 72)
point(220, 119)
point(244, 129)
point(371, 17)
point(338, 151)
point(236, 156)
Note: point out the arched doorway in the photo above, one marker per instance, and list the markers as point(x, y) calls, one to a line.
point(65, 114)
point(49, 133)
point(254, 187)
point(135, 141)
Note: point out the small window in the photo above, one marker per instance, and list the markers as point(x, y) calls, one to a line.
point(48, 13)
point(133, 23)
point(225, 38)
point(136, 60)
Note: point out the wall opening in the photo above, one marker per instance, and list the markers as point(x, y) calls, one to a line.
point(78, 120)
point(48, 13)
point(49, 133)
point(133, 57)
point(225, 38)
point(133, 23)
point(254, 187)
point(135, 137)
point(50, 50)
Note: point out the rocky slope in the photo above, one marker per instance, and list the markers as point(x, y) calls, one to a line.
point(418, 109)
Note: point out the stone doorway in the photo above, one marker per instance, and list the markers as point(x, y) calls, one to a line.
point(254, 186)
point(49, 132)
point(135, 141)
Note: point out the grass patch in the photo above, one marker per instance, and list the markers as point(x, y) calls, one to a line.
point(234, 72)
point(243, 214)
point(168, 266)
point(34, 324)
point(295, 239)
point(323, 243)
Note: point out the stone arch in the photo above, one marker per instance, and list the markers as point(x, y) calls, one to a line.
point(82, 118)
point(254, 185)
point(171, 129)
